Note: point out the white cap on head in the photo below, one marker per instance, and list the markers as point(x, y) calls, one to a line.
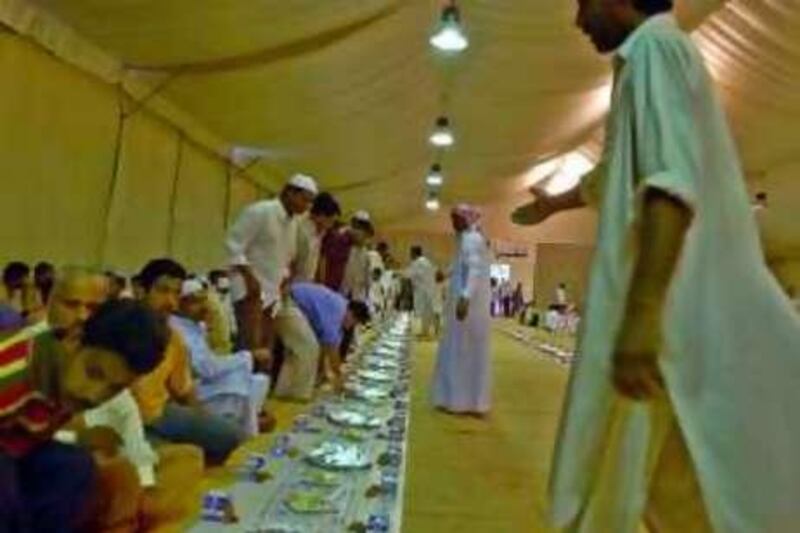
point(361, 216)
point(306, 183)
point(191, 287)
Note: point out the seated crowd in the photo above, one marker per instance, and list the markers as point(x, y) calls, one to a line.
point(116, 394)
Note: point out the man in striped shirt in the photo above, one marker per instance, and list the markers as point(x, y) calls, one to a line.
point(44, 485)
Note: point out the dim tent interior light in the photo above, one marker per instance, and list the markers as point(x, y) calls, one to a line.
point(442, 135)
point(435, 178)
point(449, 35)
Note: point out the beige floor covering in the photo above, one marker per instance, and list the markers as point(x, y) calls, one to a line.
point(473, 476)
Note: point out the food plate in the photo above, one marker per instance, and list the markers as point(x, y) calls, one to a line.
point(385, 351)
point(352, 418)
point(321, 478)
point(379, 363)
point(368, 393)
point(311, 501)
point(376, 376)
point(335, 455)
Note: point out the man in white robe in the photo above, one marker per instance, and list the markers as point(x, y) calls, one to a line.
point(680, 409)
point(422, 274)
point(462, 379)
point(262, 246)
point(225, 384)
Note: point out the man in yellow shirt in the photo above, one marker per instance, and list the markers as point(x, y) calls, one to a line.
point(166, 398)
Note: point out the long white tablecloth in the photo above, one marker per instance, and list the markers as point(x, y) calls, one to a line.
point(367, 500)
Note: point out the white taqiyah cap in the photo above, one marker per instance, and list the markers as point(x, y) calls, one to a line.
point(306, 183)
point(191, 287)
point(362, 216)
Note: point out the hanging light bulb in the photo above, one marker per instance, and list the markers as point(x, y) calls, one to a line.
point(449, 35)
point(442, 136)
point(435, 178)
point(760, 201)
point(432, 204)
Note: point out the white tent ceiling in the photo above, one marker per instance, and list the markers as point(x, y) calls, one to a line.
point(349, 89)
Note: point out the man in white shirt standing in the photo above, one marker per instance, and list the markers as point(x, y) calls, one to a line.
point(677, 408)
point(422, 274)
point(562, 299)
point(261, 246)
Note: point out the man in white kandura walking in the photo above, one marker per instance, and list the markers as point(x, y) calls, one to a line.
point(681, 408)
point(462, 381)
point(422, 273)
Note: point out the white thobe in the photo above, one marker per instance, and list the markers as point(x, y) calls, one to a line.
point(422, 274)
point(308, 246)
point(375, 262)
point(355, 284)
point(264, 237)
point(224, 383)
point(439, 297)
point(731, 343)
point(561, 296)
point(462, 380)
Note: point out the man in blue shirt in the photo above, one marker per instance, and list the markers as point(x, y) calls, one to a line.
point(317, 319)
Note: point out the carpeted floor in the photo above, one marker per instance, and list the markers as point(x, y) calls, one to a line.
point(467, 475)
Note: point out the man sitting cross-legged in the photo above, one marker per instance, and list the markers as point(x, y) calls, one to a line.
point(226, 385)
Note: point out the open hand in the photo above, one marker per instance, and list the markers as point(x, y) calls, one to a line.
point(537, 211)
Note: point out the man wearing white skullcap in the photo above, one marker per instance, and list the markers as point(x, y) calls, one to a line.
point(304, 183)
point(261, 246)
point(226, 384)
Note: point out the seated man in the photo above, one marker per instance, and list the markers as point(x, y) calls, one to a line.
point(226, 386)
point(46, 485)
point(166, 396)
point(320, 317)
point(15, 297)
point(139, 486)
point(138, 477)
point(221, 320)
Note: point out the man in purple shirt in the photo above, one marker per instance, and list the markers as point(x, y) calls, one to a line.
point(324, 317)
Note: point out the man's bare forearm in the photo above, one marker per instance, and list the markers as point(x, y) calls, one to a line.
point(664, 223)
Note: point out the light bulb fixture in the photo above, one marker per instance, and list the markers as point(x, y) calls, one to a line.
point(442, 135)
point(449, 35)
point(435, 178)
point(760, 201)
point(432, 200)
